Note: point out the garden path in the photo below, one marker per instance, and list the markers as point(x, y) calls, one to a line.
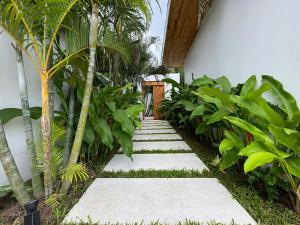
point(158, 148)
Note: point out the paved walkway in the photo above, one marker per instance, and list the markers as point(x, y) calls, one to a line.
point(166, 200)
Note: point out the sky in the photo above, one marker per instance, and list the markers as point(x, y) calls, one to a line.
point(157, 26)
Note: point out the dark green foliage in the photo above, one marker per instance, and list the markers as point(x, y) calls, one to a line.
point(248, 129)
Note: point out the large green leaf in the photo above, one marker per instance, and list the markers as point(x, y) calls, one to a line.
point(103, 130)
point(124, 140)
point(229, 158)
point(255, 94)
point(225, 145)
point(216, 92)
point(288, 102)
point(224, 84)
point(217, 116)
point(198, 111)
point(126, 124)
point(257, 133)
point(217, 102)
point(250, 105)
point(171, 81)
point(271, 115)
point(288, 139)
point(293, 164)
point(201, 128)
point(253, 148)
point(258, 159)
point(8, 114)
point(89, 135)
point(134, 110)
point(203, 81)
point(249, 86)
point(111, 105)
point(188, 105)
point(234, 138)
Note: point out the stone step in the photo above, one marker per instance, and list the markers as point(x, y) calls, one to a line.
point(156, 137)
point(155, 127)
point(162, 200)
point(160, 146)
point(159, 131)
point(178, 161)
point(149, 118)
point(155, 124)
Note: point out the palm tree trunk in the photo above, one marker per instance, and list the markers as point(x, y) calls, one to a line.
point(46, 134)
point(69, 135)
point(11, 170)
point(36, 179)
point(87, 94)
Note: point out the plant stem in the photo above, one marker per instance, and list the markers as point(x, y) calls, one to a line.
point(46, 135)
point(36, 179)
point(94, 25)
point(11, 170)
point(69, 135)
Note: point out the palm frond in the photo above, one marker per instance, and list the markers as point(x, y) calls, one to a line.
point(75, 172)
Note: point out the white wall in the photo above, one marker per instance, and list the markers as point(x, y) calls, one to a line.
point(241, 38)
point(9, 97)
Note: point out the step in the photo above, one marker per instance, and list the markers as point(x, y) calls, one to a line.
point(160, 146)
point(154, 124)
point(156, 137)
point(158, 131)
point(179, 161)
point(155, 127)
point(162, 200)
point(149, 118)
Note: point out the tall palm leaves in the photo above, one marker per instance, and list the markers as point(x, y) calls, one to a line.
point(42, 24)
point(41, 21)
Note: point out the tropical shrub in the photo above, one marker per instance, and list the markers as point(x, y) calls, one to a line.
point(261, 135)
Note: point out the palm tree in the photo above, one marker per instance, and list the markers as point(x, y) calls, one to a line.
point(143, 6)
point(47, 17)
point(11, 170)
point(36, 179)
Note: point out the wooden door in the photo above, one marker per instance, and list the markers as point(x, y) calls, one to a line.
point(158, 96)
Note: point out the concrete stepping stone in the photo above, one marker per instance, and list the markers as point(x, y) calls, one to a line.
point(163, 200)
point(158, 131)
point(160, 146)
point(156, 137)
point(149, 118)
point(155, 127)
point(155, 124)
point(181, 161)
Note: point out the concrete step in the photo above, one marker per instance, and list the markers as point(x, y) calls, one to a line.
point(156, 137)
point(158, 131)
point(163, 200)
point(156, 127)
point(178, 161)
point(160, 146)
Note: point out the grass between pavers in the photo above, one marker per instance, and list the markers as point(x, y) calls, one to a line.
point(263, 211)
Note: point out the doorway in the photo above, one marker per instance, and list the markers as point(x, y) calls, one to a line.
point(153, 95)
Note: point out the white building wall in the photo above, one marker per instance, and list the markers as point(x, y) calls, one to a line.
point(241, 38)
point(10, 98)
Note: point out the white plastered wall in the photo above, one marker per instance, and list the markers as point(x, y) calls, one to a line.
point(241, 38)
point(10, 98)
